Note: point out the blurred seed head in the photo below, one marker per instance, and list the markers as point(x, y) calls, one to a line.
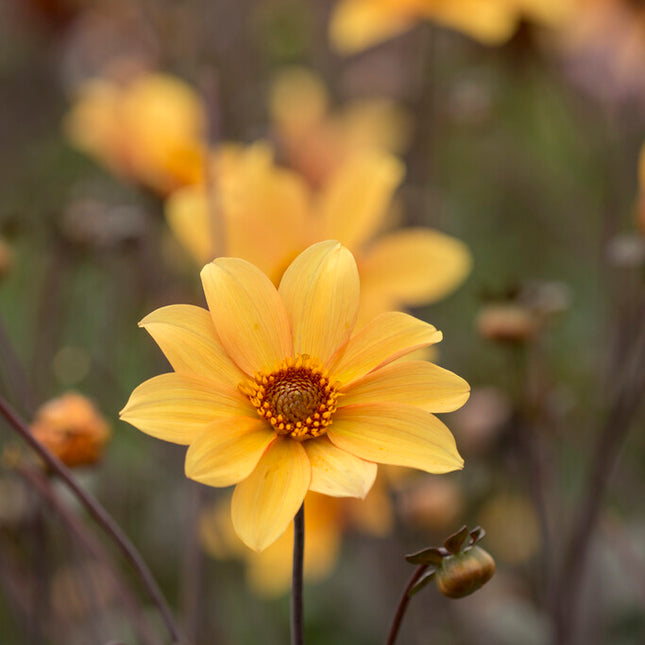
point(432, 504)
point(479, 423)
point(507, 323)
point(92, 223)
point(71, 427)
point(627, 251)
point(513, 534)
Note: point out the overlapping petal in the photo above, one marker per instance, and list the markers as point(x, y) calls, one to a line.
point(400, 435)
point(228, 450)
point(355, 199)
point(268, 499)
point(321, 294)
point(249, 316)
point(176, 407)
point(187, 337)
point(336, 472)
point(414, 266)
point(388, 337)
point(416, 383)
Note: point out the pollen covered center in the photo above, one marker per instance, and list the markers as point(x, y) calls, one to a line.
point(297, 399)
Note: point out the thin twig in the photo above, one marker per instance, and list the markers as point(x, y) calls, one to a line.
point(297, 622)
point(403, 604)
point(610, 439)
point(100, 515)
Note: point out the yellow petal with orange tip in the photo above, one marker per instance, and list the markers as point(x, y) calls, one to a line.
point(228, 450)
point(383, 340)
point(177, 407)
point(355, 200)
point(416, 383)
point(400, 435)
point(264, 503)
point(249, 316)
point(336, 472)
point(321, 293)
point(187, 337)
point(414, 267)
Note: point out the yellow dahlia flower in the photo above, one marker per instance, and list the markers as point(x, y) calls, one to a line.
point(272, 392)
point(358, 24)
point(148, 129)
point(270, 215)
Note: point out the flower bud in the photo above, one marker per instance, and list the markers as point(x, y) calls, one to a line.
point(462, 574)
point(509, 323)
point(72, 429)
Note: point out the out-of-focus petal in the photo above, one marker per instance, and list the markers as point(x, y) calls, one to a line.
point(176, 407)
point(269, 498)
point(187, 215)
point(354, 202)
point(416, 383)
point(249, 316)
point(336, 472)
point(228, 450)
point(388, 337)
point(321, 293)
point(265, 209)
point(298, 100)
point(414, 267)
point(358, 24)
point(394, 434)
point(187, 337)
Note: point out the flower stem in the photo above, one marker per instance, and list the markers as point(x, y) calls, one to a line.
point(100, 515)
point(403, 604)
point(297, 623)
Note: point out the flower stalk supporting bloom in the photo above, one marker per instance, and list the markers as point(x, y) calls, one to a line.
point(297, 614)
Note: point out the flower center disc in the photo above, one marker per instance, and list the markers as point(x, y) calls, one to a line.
point(297, 399)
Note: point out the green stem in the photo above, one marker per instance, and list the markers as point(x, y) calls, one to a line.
point(403, 604)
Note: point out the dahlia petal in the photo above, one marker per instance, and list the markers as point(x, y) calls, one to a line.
point(268, 499)
point(386, 338)
point(177, 407)
point(400, 435)
point(321, 293)
point(418, 383)
point(414, 266)
point(248, 314)
point(355, 200)
point(336, 472)
point(228, 450)
point(187, 337)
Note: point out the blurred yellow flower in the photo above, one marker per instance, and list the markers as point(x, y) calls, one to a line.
point(272, 392)
point(358, 24)
point(148, 129)
point(316, 140)
point(268, 572)
point(71, 427)
point(269, 215)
